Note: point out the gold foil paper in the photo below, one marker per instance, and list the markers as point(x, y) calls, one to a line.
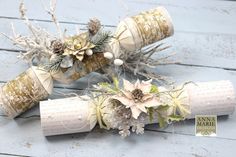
point(152, 26)
point(22, 93)
point(136, 32)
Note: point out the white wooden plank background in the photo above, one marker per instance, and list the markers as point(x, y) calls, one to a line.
point(204, 43)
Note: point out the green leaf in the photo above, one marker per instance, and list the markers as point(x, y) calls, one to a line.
point(104, 84)
point(154, 89)
point(108, 87)
point(161, 120)
point(150, 114)
point(162, 108)
point(175, 118)
point(116, 83)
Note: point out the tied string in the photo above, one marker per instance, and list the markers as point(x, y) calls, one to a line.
point(179, 101)
point(99, 114)
point(117, 42)
point(152, 25)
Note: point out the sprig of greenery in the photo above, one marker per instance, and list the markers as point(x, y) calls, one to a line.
point(162, 120)
point(100, 40)
point(110, 88)
point(154, 89)
point(54, 65)
point(175, 118)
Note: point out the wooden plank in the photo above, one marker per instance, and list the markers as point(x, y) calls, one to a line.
point(11, 66)
point(177, 73)
point(204, 49)
point(205, 36)
point(179, 136)
point(187, 127)
point(100, 142)
point(193, 15)
point(21, 28)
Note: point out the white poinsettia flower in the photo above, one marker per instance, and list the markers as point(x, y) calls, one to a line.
point(137, 97)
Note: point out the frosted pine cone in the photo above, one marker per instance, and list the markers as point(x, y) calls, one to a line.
point(93, 26)
point(57, 46)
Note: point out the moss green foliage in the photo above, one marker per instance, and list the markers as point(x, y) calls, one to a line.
point(154, 89)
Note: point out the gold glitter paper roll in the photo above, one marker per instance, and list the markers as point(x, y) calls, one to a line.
point(25, 91)
point(81, 69)
point(141, 30)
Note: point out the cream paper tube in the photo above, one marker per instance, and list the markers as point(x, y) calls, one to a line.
point(22, 93)
point(71, 115)
point(211, 98)
point(136, 32)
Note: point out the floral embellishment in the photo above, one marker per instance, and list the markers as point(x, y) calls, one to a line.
point(77, 46)
point(137, 97)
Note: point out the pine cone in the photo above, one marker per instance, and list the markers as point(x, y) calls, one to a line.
point(93, 26)
point(121, 110)
point(137, 94)
point(57, 46)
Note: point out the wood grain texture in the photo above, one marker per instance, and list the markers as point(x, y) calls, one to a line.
point(100, 143)
point(201, 49)
point(187, 16)
point(204, 43)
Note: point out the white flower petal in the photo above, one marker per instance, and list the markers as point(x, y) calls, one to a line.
point(148, 81)
point(135, 111)
point(128, 86)
point(125, 101)
point(137, 84)
point(147, 96)
point(152, 103)
point(141, 106)
point(145, 87)
point(128, 94)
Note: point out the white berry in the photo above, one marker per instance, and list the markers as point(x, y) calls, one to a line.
point(89, 52)
point(118, 62)
point(108, 55)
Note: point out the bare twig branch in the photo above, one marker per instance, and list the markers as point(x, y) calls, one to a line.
point(52, 13)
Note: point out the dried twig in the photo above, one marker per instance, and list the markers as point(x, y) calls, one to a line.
point(52, 13)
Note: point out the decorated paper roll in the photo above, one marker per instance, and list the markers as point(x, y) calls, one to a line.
point(20, 94)
point(72, 115)
point(136, 32)
point(69, 115)
point(211, 98)
point(80, 68)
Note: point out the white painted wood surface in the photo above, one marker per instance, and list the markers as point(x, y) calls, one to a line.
point(205, 46)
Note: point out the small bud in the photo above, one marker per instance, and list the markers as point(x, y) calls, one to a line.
point(89, 52)
point(118, 62)
point(108, 55)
